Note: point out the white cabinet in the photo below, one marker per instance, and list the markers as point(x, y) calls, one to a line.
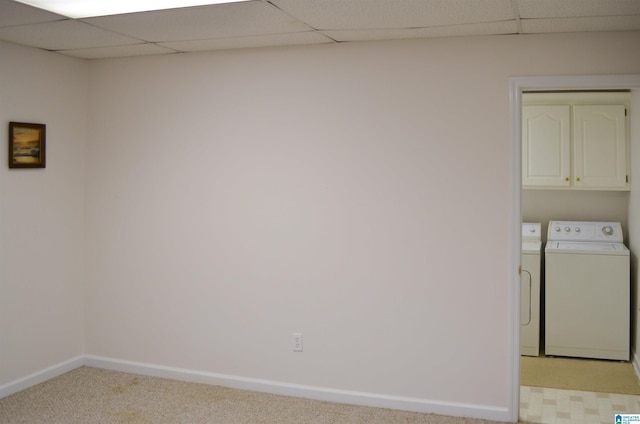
point(576, 141)
point(599, 142)
point(546, 146)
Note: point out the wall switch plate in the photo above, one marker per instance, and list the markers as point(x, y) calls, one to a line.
point(297, 342)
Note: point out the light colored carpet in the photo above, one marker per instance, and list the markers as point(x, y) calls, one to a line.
point(96, 396)
point(579, 374)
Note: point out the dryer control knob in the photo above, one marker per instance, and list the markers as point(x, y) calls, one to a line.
point(557, 229)
point(608, 230)
point(567, 229)
point(577, 229)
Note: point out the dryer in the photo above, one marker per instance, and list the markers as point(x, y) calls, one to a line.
point(587, 290)
point(530, 289)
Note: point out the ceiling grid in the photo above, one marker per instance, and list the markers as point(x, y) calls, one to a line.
point(270, 23)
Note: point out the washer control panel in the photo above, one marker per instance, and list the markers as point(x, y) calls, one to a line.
point(585, 231)
point(531, 231)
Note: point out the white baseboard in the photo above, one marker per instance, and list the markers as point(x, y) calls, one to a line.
point(265, 386)
point(41, 376)
point(297, 390)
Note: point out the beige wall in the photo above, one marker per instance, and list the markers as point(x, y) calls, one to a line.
point(237, 197)
point(42, 214)
point(572, 205)
point(358, 193)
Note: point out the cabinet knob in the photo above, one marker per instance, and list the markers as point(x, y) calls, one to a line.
point(578, 179)
point(566, 179)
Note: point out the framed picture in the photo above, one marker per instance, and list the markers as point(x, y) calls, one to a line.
point(26, 145)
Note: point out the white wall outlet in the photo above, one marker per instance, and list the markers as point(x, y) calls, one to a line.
point(297, 342)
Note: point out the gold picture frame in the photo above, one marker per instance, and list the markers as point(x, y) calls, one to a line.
point(27, 147)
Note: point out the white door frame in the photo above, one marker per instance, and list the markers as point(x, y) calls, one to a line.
point(516, 86)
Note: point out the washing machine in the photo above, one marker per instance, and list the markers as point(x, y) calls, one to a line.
point(587, 290)
point(530, 289)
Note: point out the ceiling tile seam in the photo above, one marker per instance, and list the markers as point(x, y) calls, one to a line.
point(295, 18)
point(143, 43)
point(35, 23)
point(328, 36)
point(577, 19)
point(516, 18)
point(516, 15)
point(234, 37)
point(166, 47)
point(142, 40)
point(580, 17)
point(414, 27)
point(139, 43)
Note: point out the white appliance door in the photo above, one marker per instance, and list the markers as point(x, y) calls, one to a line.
point(587, 305)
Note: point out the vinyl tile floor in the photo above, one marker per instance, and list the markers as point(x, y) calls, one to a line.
point(555, 406)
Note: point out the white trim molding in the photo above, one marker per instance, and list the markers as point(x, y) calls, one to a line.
point(302, 391)
point(41, 376)
point(516, 86)
point(265, 386)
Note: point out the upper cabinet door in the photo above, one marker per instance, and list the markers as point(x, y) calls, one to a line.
point(600, 146)
point(546, 146)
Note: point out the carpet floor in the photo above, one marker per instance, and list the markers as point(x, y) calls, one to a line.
point(97, 396)
point(579, 374)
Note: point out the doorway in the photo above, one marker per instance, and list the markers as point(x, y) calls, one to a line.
point(517, 86)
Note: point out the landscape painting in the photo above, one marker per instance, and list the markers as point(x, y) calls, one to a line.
point(26, 145)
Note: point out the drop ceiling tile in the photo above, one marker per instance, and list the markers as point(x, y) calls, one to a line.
point(576, 8)
point(14, 13)
point(145, 49)
point(380, 14)
point(197, 23)
point(261, 23)
point(62, 35)
point(490, 28)
point(273, 40)
point(604, 23)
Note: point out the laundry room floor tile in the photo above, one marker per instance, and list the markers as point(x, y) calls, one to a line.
point(554, 406)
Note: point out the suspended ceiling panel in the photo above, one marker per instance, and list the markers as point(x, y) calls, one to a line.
point(203, 22)
point(576, 8)
point(265, 23)
point(268, 40)
point(581, 24)
point(385, 14)
point(63, 35)
point(144, 49)
point(14, 13)
point(490, 28)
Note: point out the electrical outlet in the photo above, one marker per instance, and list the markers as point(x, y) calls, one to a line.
point(297, 342)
